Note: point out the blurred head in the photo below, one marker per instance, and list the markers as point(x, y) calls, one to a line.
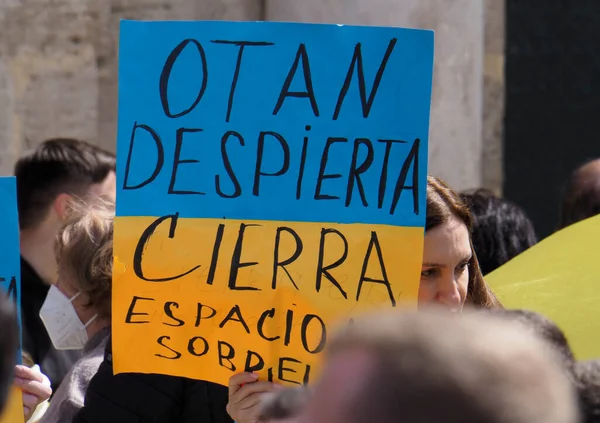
point(450, 275)
point(285, 405)
point(82, 295)
point(546, 330)
point(8, 347)
point(58, 170)
point(588, 375)
point(431, 367)
point(581, 198)
point(501, 230)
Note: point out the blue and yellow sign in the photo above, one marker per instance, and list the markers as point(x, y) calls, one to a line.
point(10, 280)
point(272, 180)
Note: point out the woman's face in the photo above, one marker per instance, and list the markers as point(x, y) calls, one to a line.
point(445, 271)
point(66, 287)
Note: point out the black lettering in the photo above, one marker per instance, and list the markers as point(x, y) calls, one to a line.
point(11, 292)
point(236, 185)
point(282, 368)
point(226, 356)
point(301, 55)
point(236, 263)
point(374, 242)
point(282, 264)
point(166, 74)
point(270, 374)
point(131, 313)
point(238, 65)
point(235, 311)
point(302, 164)
point(306, 377)
point(413, 157)
point(261, 323)
point(355, 172)
point(199, 315)
point(160, 341)
point(324, 270)
point(192, 346)
point(259, 159)
point(322, 175)
point(215, 255)
point(289, 321)
point(159, 162)
point(142, 243)
point(304, 334)
point(358, 64)
point(177, 161)
point(258, 366)
point(384, 170)
point(169, 313)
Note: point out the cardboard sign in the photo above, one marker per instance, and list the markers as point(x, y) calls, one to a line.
point(13, 410)
point(272, 180)
point(10, 279)
point(558, 278)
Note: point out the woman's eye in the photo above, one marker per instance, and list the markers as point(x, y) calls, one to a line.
point(461, 267)
point(428, 273)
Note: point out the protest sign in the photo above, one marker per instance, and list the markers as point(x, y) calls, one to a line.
point(10, 279)
point(558, 277)
point(272, 181)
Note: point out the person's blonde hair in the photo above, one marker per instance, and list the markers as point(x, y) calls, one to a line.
point(84, 251)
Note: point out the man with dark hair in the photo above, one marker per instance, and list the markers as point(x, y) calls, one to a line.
point(47, 178)
point(588, 375)
point(8, 347)
point(581, 197)
point(501, 229)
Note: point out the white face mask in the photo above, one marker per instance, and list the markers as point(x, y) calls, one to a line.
point(64, 327)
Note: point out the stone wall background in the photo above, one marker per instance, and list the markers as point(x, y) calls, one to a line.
point(58, 68)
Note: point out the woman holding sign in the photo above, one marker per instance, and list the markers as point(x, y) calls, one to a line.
point(450, 277)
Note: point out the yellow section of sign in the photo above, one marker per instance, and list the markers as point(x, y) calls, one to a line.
point(254, 295)
point(559, 278)
point(13, 410)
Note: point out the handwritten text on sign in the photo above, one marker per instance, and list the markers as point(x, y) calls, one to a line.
point(10, 258)
point(10, 280)
point(272, 180)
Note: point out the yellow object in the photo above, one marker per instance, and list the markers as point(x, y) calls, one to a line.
point(13, 411)
point(190, 327)
point(559, 278)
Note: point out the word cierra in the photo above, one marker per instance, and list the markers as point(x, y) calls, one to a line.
point(198, 346)
point(372, 250)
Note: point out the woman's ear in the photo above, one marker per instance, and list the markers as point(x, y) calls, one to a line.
point(61, 206)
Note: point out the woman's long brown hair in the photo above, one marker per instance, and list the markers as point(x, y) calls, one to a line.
point(442, 204)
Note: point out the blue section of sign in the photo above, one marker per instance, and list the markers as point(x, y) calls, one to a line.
point(274, 121)
point(10, 257)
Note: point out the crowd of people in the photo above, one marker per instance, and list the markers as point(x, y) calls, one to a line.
point(461, 357)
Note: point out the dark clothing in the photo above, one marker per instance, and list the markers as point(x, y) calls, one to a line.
point(144, 398)
point(69, 399)
point(36, 342)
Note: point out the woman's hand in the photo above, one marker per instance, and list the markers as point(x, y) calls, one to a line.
point(35, 386)
point(246, 393)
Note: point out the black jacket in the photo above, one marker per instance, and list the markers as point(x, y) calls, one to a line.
point(150, 398)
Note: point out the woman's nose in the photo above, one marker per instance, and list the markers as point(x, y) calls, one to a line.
point(448, 293)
